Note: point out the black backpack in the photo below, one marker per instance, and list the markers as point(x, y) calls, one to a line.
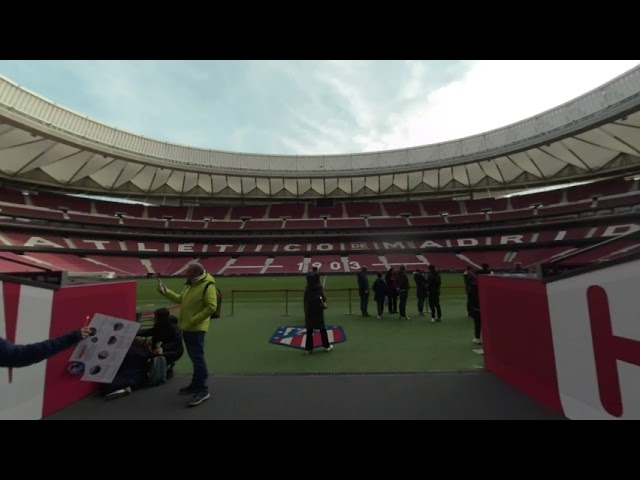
point(218, 312)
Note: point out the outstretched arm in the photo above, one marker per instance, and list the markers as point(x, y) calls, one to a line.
point(24, 355)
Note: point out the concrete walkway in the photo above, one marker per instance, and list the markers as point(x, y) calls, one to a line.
point(431, 396)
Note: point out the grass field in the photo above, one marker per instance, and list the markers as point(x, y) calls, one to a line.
point(238, 344)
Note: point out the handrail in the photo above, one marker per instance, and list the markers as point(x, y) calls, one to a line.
point(594, 266)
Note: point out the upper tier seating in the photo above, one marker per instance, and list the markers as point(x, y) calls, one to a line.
point(612, 195)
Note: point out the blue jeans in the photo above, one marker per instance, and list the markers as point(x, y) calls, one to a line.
point(194, 342)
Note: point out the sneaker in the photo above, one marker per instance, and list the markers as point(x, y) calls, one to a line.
point(188, 390)
point(169, 373)
point(378, 317)
point(199, 397)
point(123, 392)
point(329, 348)
point(308, 352)
point(433, 320)
point(477, 341)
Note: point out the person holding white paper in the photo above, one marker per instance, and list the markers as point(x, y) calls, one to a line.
point(15, 356)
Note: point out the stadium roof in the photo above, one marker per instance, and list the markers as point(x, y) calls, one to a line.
point(597, 134)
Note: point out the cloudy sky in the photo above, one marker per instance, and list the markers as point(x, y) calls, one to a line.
point(310, 107)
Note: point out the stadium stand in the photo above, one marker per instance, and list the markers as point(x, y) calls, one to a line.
point(283, 239)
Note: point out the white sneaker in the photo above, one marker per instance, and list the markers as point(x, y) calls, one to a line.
point(477, 341)
point(123, 392)
point(378, 317)
point(433, 320)
point(329, 349)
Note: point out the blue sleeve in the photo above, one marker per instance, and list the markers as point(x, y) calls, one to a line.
point(24, 355)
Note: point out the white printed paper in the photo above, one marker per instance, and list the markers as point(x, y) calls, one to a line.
point(103, 353)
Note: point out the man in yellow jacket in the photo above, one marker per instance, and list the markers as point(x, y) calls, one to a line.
point(199, 301)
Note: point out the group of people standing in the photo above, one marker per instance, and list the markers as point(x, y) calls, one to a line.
point(394, 289)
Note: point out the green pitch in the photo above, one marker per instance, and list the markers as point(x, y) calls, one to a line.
point(238, 344)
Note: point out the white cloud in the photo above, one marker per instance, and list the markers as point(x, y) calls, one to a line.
point(493, 94)
point(312, 107)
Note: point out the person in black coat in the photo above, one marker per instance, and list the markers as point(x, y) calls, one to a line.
point(468, 275)
point(379, 293)
point(474, 305)
point(132, 374)
point(314, 307)
point(363, 290)
point(433, 287)
point(15, 356)
point(163, 339)
point(421, 289)
point(391, 279)
point(403, 291)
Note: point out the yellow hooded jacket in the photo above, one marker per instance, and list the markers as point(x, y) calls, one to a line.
point(197, 306)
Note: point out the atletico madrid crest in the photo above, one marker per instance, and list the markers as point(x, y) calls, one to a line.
point(296, 337)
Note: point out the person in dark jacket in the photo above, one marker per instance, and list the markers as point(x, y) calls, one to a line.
point(484, 270)
point(403, 291)
point(165, 338)
point(133, 371)
point(17, 356)
point(391, 278)
point(468, 273)
point(161, 343)
point(433, 287)
point(314, 307)
point(518, 268)
point(421, 289)
point(474, 305)
point(379, 293)
point(363, 290)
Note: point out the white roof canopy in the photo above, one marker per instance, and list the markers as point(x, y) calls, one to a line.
point(47, 145)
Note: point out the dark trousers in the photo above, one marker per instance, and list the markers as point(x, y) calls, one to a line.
point(364, 303)
point(131, 378)
point(323, 335)
point(132, 373)
point(194, 343)
point(477, 326)
point(421, 300)
point(380, 305)
point(403, 303)
point(393, 302)
point(434, 305)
